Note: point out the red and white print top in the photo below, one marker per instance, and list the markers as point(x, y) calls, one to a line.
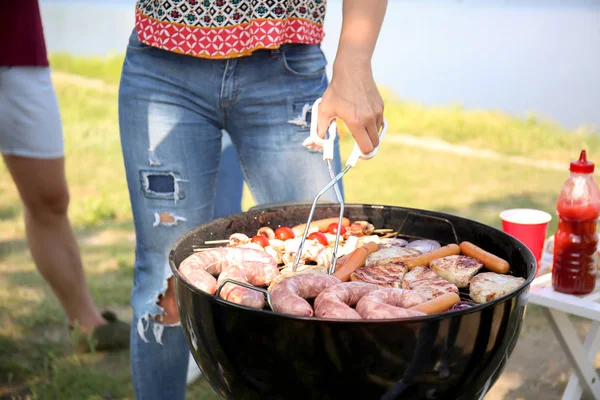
point(228, 28)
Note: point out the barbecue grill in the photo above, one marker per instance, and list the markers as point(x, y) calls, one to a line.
point(247, 353)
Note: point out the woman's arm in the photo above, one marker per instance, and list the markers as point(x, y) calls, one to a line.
point(352, 95)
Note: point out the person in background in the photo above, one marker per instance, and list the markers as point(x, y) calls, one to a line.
point(31, 144)
point(253, 68)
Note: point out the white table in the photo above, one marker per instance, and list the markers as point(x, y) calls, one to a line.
point(581, 356)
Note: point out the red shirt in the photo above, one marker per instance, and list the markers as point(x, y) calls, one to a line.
point(228, 28)
point(21, 34)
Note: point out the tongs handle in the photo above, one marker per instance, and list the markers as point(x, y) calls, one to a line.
point(328, 143)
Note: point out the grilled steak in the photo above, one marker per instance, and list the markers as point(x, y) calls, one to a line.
point(456, 269)
point(419, 273)
point(384, 275)
point(489, 286)
point(427, 283)
point(385, 255)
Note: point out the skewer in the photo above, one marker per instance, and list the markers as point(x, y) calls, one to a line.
point(221, 241)
point(383, 230)
point(389, 235)
point(199, 249)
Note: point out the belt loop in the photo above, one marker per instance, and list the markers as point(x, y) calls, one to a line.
point(275, 53)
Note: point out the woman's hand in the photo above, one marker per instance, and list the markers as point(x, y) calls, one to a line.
point(352, 96)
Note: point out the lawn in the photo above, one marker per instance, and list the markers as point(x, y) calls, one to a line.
point(34, 350)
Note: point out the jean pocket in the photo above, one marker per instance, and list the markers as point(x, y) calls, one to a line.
point(305, 60)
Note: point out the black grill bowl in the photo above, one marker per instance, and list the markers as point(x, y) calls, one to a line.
point(256, 354)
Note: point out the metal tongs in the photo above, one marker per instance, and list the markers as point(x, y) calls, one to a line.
point(328, 150)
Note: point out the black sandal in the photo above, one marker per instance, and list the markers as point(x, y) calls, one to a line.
point(112, 336)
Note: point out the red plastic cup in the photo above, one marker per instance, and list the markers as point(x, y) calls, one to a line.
point(528, 226)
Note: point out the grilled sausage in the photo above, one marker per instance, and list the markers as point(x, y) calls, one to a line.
point(320, 225)
point(355, 260)
point(390, 303)
point(286, 272)
point(288, 297)
point(337, 301)
point(425, 259)
point(489, 260)
point(255, 267)
point(239, 294)
point(437, 305)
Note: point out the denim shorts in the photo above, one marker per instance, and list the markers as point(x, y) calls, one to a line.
point(30, 123)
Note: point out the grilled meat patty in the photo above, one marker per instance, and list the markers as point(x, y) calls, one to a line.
point(385, 255)
point(457, 269)
point(427, 283)
point(384, 275)
point(489, 286)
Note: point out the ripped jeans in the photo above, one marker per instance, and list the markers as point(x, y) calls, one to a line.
point(172, 109)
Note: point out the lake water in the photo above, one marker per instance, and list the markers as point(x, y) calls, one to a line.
point(518, 56)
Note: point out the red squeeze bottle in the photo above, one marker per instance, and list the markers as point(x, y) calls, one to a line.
point(575, 241)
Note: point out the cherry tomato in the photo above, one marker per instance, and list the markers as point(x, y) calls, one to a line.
point(284, 233)
point(260, 239)
point(320, 237)
point(332, 228)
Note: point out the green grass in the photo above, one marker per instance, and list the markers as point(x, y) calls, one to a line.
point(34, 350)
point(528, 136)
point(107, 69)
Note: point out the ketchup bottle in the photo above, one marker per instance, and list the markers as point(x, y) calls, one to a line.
point(575, 241)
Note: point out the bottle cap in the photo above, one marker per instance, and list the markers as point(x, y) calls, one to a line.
point(582, 166)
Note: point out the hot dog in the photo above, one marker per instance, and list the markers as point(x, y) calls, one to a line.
point(355, 260)
point(489, 260)
point(437, 304)
point(371, 248)
point(321, 225)
point(425, 259)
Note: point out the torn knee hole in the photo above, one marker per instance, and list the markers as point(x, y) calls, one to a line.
point(168, 303)
point(162, 185)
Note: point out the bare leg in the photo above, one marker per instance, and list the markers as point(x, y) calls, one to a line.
point(43, 189)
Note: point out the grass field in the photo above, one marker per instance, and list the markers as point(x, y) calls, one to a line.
point(34, 350)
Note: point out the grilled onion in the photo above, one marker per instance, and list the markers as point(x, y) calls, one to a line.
point(463, 305)
point(424, 245)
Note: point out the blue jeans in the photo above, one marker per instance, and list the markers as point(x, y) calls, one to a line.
point(172, 110)
point(230, 181)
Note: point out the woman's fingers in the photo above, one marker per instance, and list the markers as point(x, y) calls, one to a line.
point(364, 125)
point(326, 116)
point(380, 119)
point(373, 132)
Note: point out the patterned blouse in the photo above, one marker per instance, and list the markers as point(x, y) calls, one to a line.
point(228, 28)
